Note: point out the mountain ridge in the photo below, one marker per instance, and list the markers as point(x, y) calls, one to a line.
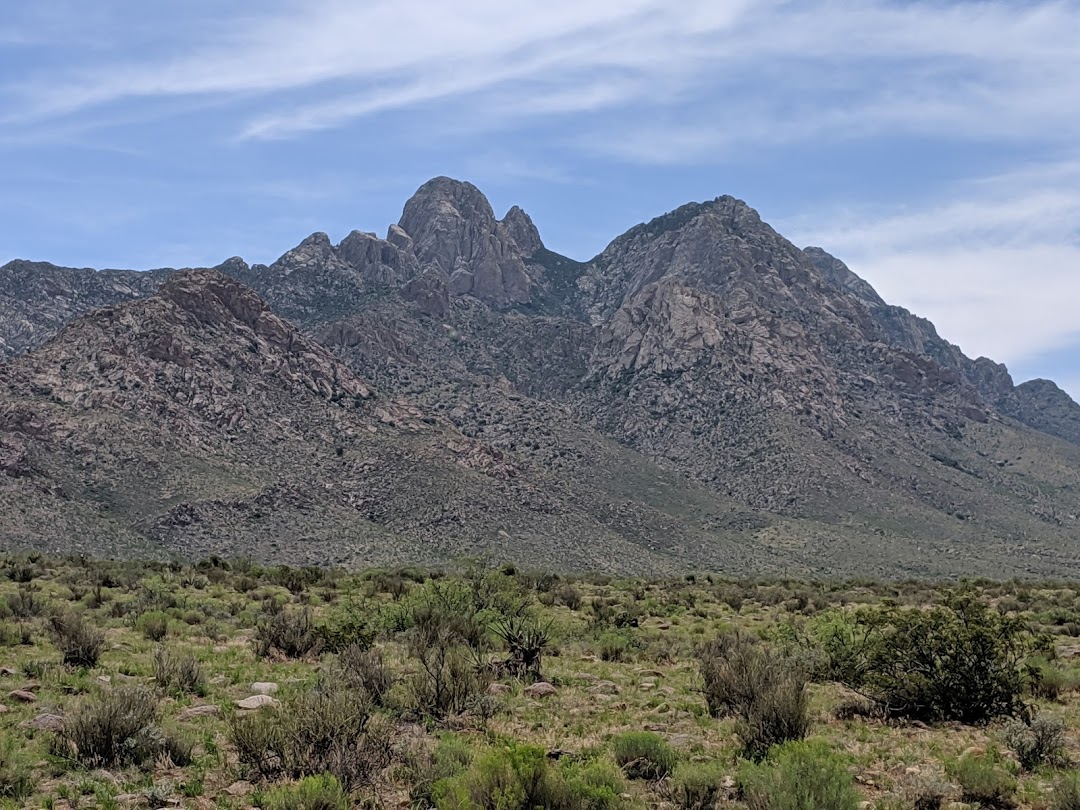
point(770, 380)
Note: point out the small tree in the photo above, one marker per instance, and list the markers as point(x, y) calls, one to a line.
point(960, 661)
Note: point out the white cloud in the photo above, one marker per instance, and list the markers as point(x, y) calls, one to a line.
point(995, 263)
point(736, 71)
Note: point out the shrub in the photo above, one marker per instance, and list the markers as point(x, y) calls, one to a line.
point(349, 625)
point(1049, 682)
point(1067, 793)
point(322, 792)
point(926, 794)
point(613, 645)
point(762, 688)
point(595, 785)
point(1040, 741)
point(643, 755)
point(525, 642)
point(327, 730)
point(958, 661)
point(26, 603)
point(798, 776)
point(697, 785)
point(983, 782)
point(117, 727)
point(521, 777)
point(290, 632)
point(425, 767)
point(79, 642)
point(16, 778)
point(365, 669)
point(154, 625)
point(570, 596)
point(445, 635)
point(448, 680)
point(182, 674)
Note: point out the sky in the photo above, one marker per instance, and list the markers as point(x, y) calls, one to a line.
point(933, 146)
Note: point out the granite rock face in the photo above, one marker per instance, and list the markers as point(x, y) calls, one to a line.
point(454, 228)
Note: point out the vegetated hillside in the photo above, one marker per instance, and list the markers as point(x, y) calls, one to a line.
point(702, 390)
point(232, 685)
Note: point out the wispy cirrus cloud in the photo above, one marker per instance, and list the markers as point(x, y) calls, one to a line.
point(998, 69)
point(995, 262)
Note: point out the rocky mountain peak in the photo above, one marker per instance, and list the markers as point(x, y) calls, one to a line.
point(522, 230)
point(452, 225)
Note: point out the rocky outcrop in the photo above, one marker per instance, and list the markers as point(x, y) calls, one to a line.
point(453, 227)
point(205, 353)
point(37, 298)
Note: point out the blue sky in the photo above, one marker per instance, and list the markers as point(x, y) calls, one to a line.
point(933, 146)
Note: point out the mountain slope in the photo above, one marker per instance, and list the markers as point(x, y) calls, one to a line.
point(703, 392)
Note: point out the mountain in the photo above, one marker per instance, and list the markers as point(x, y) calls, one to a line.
point(701, 394)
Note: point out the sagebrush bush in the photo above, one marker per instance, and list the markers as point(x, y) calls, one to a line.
point(80, 643)
point(16, 777)
point(1066, 794)
point(116, 727)
point(961, 660)
point(983, 781)
point(521, 777)
point(154, 625)
point(643, 755)
point(290, 632)
point(1049, 682)
point(1038, 742)
point(26, 602)
point(363, 668)
point(424, 766)
point(182, 674)
point(322, 792)
point(445, 633)
point(697, 785)
point(328, 729)
point(798, 776)
point(570, 596)
point(762, 688)
point(614, 645)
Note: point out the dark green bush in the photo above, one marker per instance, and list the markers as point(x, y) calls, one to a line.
point(798, 776)
point(26, 602)
point(80, 643)
point(525, 640)
point(763, 688)
point(961, 660)
point(643, 755)
point(570, 596)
